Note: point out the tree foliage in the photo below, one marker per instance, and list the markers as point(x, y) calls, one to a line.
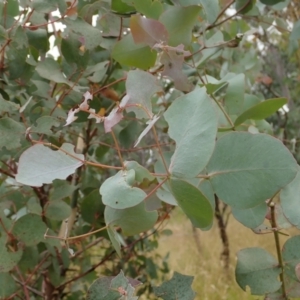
point(113, 113)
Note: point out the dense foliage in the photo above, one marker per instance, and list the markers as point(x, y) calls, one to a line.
point(114, 112)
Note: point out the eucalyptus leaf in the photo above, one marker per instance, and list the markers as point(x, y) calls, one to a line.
point(193, 203)
point(138, 96)
point(7, 285)
point(179, 22)
point(40, 164)
point(118, 192)
point(251, 217)
point(29, 229)
point(179, 286)
point(8, 259)
point(10, 128)
point(257, 269)
point(261, 111)
point(132, 220)
point(192, 123)
point(245, 169)
point(289, 199)
point(127, 53)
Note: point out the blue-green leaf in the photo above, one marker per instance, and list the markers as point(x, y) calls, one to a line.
point(246, 169)
point(192, 123)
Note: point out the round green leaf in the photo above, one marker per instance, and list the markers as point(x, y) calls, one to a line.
point(192, 123)
point(8, 129)
point(92, 207)
point(179, 22)
point(246, 169)
point(45, 125)
point(193, 203)
point(141, 96)
point(289, 199)
point(57, 210)
point(100, 290)
point(151, 9)
point(178, 287)
point(8, 259)
point(251, 217)
point(291, 257)
point(7, 285)
point(141, 173)
point(127, 53)
point(133, 220)
point(118, 193)
point(257, 269)
point(29, 229)
point(290, 251)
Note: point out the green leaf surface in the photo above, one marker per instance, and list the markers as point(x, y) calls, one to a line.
point(113, 236)
point(132, 220)
point(125, 285)
point(118, 192)
point(61, 190)
point(261, 111)
point(100, 290)
point(29, 229)
point(7, 285)
point(290, 253)
point(289, 199)
point(57, 210)
point(8, 259)
point(149, 8)
point(39, 164)
point(92, 207)
point(178, 287)
point(45, 124)
point(212, 52)
point(244, 6)
point(193, 203)
point(179, 22)
point(127, 53)
point(50, 69)
point(8, 106)
point(246, 169)
point(33, 206)
point(140, 87)
point(10, 128)
point(38, 39)
point(291, 259)
point(234, 98)
point(251, 217)
point(166, 196)
point(97, 71)
point(295, 34)
point(70, 48)
point(120, 7)
point(89, 36)
point(12, 8)
point(192, 123)
point(141, 173)
point(257, 269)
point(211, 8)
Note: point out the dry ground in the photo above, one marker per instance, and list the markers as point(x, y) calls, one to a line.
point(211, 281)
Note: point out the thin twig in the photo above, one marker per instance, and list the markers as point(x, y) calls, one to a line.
point(278, 248)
